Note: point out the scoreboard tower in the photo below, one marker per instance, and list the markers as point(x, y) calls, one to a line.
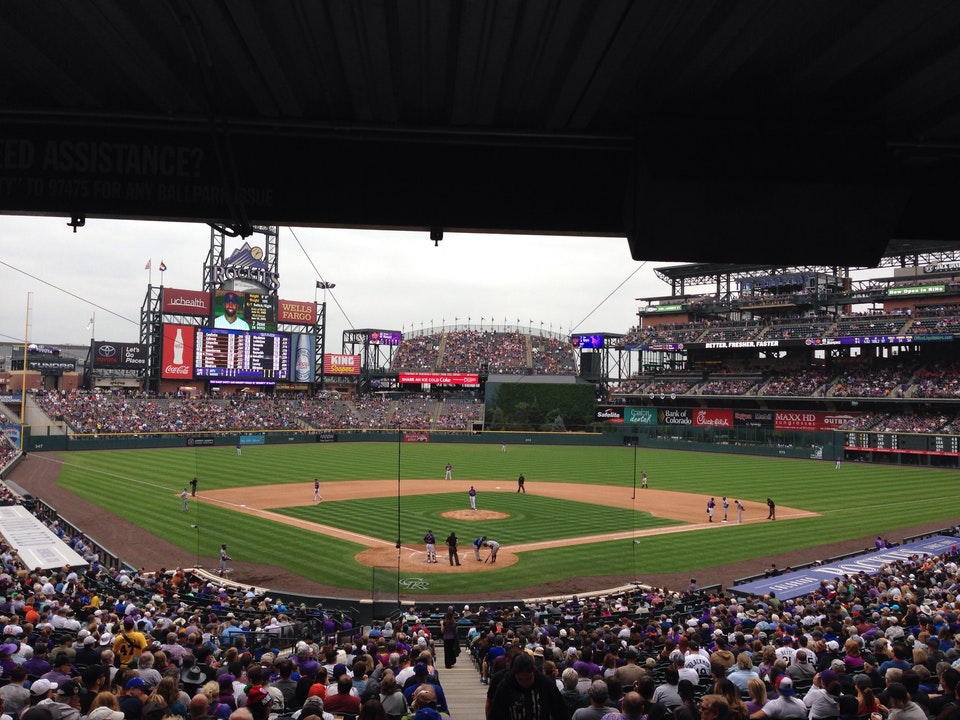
point(259, 347)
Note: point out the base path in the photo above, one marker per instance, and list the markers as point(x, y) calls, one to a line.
point(38, 476)
point(689, 508)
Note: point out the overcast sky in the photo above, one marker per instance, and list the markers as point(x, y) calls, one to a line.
point(384, 280)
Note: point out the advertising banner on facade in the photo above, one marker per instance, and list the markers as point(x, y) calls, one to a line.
point(185, 302)
point(811, 420)
point(177, 352)
point(293, 312)
point(337, 364)
point(609, 414)
point(119, 355)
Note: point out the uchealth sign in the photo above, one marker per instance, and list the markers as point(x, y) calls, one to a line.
point(335, 364)
point(186, 302)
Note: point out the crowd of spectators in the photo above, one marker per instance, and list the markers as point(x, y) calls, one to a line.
point(551, 356)
point(134, 640)
point(459, 413)
point(798, 329)
point(937, 381)
point(727, 386)
point(877, 382)
point(97, 412)
point(918, 421)
point(328, 412)
point(935, 325)
point(503, 352)
point(383, 412)
point(417, 353)
point(871, 325)
point(106, 412)
point(941, 320)
point(860, 643)
point(7, 452)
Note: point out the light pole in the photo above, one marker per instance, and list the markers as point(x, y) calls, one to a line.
point(399, 543)
point(323, 285)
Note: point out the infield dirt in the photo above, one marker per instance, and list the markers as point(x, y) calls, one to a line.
point(685, 507)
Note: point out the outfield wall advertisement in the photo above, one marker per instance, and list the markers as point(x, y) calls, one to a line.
point(724, 418)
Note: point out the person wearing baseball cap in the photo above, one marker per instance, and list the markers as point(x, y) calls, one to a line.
point(41, 690)
point(230, 320)
point(132, 697)
point(129, 642)
point(259, 702)
point(66, 704)
point(419, 682)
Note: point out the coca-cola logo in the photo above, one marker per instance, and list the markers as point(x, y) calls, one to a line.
point(176, 370)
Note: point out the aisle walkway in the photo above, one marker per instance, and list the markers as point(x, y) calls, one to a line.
point(461, 684)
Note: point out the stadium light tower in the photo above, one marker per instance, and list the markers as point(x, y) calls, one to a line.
point(323, 285)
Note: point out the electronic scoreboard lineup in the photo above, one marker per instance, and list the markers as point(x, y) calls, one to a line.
point(238, 355)
point(902, 443)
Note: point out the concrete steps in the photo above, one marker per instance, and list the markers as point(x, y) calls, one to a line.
point(461, 684)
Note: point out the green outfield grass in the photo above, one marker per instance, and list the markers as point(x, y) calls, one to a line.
point(524, 524)
point(855, 501)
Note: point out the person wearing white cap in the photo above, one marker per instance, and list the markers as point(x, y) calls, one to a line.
point(104, 713)
point(41, 690)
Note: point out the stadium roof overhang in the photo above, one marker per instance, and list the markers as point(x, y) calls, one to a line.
point(725, 132)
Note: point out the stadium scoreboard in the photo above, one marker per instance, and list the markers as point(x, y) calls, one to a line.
point(895, 442)
point(239, 355)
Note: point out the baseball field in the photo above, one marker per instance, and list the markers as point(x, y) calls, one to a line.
point(584, 522)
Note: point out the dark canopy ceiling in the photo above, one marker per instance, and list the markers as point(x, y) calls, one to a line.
point(750, 131)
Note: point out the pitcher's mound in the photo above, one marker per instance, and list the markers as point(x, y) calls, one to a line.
point(474, 515)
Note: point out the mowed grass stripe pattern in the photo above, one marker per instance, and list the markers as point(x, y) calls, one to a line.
point(855, 501)
point(524, 523)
